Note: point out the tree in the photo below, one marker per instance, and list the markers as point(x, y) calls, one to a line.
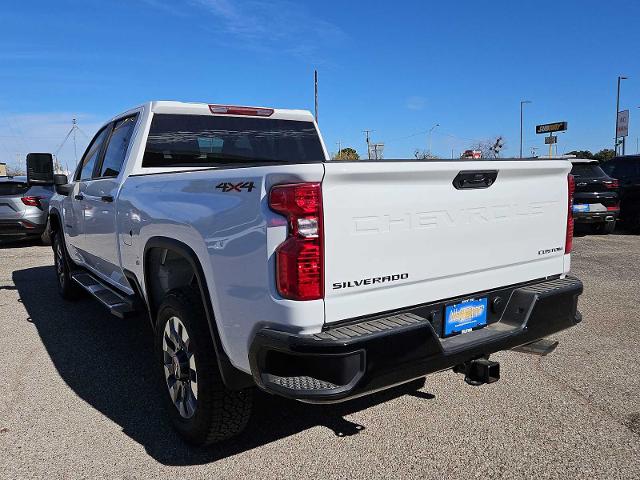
point(424, 155)
point(347, 153)
point(489, 148)
point(604, 154)
point(14, 171)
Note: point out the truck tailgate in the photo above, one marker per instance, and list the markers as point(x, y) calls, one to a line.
point(399, 234)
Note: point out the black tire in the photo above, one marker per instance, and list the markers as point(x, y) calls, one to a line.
point(632, 223)
point(67, 288)
point(603, 228)
point(45, 238)
point(215, 413)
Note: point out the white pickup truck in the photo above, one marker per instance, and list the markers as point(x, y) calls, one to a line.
point(260, 262)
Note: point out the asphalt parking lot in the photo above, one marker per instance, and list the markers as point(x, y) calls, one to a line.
point(79, 398)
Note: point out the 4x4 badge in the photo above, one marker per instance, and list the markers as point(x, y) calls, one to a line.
point(235, 187)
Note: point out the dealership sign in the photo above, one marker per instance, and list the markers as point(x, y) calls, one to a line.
point(622, 125)
point(551, 127)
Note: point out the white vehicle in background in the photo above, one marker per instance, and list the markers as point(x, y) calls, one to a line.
point(260, 262)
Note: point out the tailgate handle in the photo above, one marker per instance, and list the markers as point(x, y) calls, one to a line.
point(475, 179)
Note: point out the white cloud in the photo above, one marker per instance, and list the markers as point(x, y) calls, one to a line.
point(416, 103)
point(44, 132)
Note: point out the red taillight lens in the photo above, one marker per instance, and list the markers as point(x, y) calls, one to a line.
point(613, 208)
point(571, 188)
point(234, 110)
point(299, 260)
point(32, 201)
point(612, 184)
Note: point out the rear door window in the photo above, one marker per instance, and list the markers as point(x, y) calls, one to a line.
point(116, 150)
point(207, 140)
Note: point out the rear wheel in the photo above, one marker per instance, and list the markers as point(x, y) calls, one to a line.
point(67, 288)
point(201, 408)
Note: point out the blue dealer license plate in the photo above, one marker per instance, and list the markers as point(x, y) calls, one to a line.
point(465, 316)
point(584, 207)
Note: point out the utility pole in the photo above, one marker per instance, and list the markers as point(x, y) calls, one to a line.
point(521, 105)
point(339, 143)
point(431, 130)
point(315, 82)
point(367, 132)
point(615, 142)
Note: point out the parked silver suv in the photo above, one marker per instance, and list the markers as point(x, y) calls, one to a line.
point(24, 209)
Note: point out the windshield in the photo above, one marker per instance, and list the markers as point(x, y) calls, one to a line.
point(201, 140)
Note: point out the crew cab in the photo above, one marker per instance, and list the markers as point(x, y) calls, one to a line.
point(262, 263)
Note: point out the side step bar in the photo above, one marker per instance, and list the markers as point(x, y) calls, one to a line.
point(118, 304)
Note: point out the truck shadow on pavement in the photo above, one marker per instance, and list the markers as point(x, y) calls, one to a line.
point(108, 363)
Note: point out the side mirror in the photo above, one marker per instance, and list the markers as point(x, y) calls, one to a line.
point(62, 185)
point(40, 169)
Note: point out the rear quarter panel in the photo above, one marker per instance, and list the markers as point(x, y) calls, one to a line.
point(233, 234)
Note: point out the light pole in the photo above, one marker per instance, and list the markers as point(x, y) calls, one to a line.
point(615, 142)
point(521, 105)
point(431, 130)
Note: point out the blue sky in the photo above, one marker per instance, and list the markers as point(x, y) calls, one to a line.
point(393, 67)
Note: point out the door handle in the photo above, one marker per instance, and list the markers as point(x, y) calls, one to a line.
point(474, 179)
point(107, 198)
point(79, 197)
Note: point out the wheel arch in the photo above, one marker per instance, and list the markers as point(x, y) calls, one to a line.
point(233, 378)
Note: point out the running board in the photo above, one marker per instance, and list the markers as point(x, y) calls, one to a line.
point(118, 304)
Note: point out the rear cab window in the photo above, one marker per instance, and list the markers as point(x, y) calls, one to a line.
point(179, 140)
point(13, 187)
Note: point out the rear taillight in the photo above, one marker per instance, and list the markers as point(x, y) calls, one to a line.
point(32, 201)
point(612, 184)
point(613, 208)
point(300, 258)
point(571, 188)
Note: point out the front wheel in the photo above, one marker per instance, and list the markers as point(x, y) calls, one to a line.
point(67, 288)
point(201, 408)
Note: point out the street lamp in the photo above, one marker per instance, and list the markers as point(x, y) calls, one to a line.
point(521, 105)
point(431, 130)
point(615, 142)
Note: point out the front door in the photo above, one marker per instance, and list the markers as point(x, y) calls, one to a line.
point(101, 239)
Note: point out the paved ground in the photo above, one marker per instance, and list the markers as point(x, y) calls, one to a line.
point(78, 398)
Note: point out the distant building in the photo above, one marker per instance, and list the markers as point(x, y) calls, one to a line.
point(3, 169)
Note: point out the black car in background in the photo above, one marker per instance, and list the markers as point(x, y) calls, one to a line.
point(596, 200)
point(627, 170)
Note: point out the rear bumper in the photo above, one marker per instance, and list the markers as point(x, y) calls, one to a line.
point(596, 217)
point(20, 228)
point(374, 353)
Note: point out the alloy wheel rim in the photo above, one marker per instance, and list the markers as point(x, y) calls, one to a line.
point(180, 370)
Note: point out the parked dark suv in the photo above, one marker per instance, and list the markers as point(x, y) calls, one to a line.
point(627, 170)
point(596, 200)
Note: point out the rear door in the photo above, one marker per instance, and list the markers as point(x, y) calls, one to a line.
point(399, 234)
point(100, 192)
